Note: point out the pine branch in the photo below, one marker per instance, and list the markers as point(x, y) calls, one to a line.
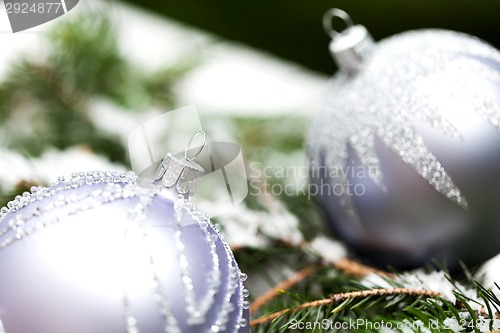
point(346, 266)
point(356, 269)
point(336, 298)
point(277, 314)
point(284, 285)
point(47, 101)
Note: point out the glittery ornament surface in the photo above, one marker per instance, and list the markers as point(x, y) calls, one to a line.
point(109, 256)
point(415, 76)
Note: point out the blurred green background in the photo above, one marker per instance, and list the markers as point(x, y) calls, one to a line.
point(292, 29)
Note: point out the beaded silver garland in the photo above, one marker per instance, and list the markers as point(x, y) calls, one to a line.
point(18, 225)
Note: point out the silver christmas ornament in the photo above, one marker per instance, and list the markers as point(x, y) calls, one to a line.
point(405, 150)
point(99, 254)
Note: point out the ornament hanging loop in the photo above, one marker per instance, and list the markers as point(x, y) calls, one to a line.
point(180, 171)
point(328, 21)
point(352, 46)
point(198, 152)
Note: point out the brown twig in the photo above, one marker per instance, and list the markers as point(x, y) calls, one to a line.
point(283, 285)
point(347, 266)
point(275, 315)
point(335, 298)
point(353, 268)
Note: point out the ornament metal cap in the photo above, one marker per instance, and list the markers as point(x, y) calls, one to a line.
point(349, 47)
point(180, 171)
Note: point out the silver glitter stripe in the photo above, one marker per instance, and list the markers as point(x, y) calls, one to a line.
point(416, 154)
point(196, 310)
point(240, 277)
point(2, 328)
point(39, 193)
point(234, 281)
point(171, 324)
point(483, 70)
point(77, 203)
point(214, 279)
point(160, 296)
point(417, 102)
point(130, 320)
point(77, 180)
point(364, 146)
point(227, 307)
point(473, 97)
point(138, 215)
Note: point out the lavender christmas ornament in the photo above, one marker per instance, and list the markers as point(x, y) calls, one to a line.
point(99, 254)
point(405, 149)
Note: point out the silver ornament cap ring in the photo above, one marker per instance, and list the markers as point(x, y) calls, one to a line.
point(349, 47)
